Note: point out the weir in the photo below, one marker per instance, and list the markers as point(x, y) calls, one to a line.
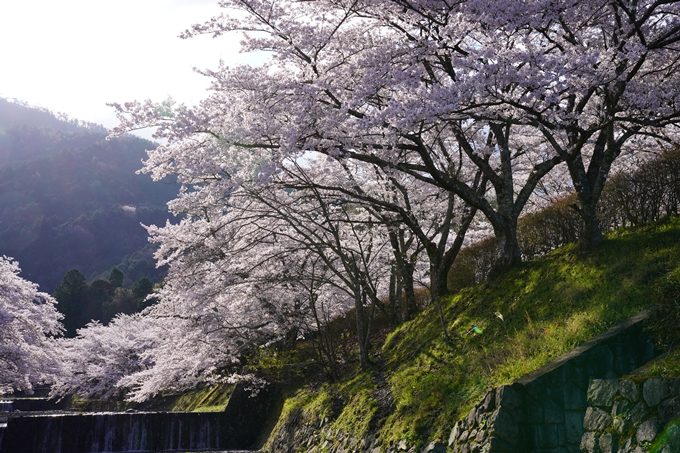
point(236, 429)
point(119, 432)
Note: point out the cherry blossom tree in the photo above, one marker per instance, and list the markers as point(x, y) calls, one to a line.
point(252, 251)
point(95, 361)
point(517, 87)
point(378, 83)
point(237, 279)
point(422, 223)
point(29, 322)
point(597, 79)
point(349, 241)
point(194, 334)
point(464, 106)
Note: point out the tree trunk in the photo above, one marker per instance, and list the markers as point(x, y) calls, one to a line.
point(507, 248)
point(438, 276)
point(404, 279)
point(590, 234)
point(589, 183)
point(363, 325)
point(410, 305)
point(326, 347)
point(504, 221)
point(586, 188)
point(437, 290)
point(395, 297)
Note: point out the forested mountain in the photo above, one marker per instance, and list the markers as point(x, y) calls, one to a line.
point(71, 199)
point(28, 132)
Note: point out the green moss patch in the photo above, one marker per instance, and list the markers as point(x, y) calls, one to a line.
point(208, 399)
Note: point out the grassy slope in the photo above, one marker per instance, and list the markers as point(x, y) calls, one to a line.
point(665, 366)
point(547, 307)
point(204, 399)
point(207, 399)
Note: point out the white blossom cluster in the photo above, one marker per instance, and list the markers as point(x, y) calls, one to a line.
point(29, 322)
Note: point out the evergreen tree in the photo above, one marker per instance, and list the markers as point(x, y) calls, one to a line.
point(142, 288)
point(116, 277)
point(73, 297)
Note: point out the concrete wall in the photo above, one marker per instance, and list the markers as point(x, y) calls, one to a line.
point(543, 412)
point(238, 427)
point(117, 432)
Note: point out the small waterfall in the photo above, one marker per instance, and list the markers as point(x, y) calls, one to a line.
point(119, 432)
point(3, 428)
point(237, 428)
point(5, 405)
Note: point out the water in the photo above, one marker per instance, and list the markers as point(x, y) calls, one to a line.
point(119, 432)
point(5, 405)
point(33, 430)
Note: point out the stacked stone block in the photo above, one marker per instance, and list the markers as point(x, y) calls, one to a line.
point(493, 425)
point(625, 416)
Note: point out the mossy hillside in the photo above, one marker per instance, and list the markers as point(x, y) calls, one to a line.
point(533, 314)
point(207, 399)
point(664, 366)
point(347, 407)
point(501, 332)
point(664, 326)
point(204, 399)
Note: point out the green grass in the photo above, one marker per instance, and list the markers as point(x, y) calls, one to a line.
point(314, 405)
point(208, 399)
point(359, 408)
point(525, 319)
point(547, 306)
point(665, 366)
point(304, 406)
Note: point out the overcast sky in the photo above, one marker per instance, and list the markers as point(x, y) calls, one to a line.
point(74, 56)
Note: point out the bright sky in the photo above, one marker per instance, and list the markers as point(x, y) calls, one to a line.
point(74, 56)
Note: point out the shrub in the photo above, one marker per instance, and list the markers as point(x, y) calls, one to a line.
point(472, 265)
point(646, 194)
point(542, 232)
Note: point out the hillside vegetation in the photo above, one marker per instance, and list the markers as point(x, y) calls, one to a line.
point(69, 198)
point(421, 384)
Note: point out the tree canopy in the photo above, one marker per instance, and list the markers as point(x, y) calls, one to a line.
point(513, 90)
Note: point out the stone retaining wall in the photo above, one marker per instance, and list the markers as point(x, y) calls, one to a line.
point(317, 436)
point(543, 412)
point(624, 416)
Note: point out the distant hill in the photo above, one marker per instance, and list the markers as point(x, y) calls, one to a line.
point(71, 199)
point(28, 132)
